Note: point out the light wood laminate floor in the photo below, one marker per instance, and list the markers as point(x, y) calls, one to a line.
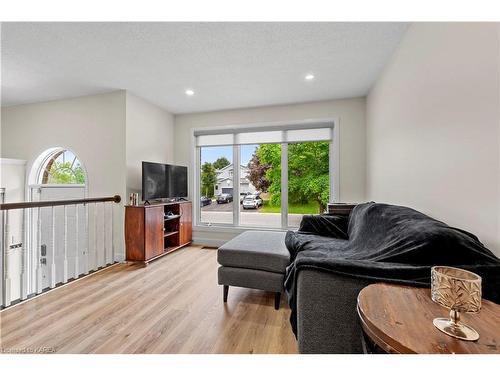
point(174, 305)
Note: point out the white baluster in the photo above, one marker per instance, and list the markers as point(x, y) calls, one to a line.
point(96, 254)
point(87, 239)
point(24, 260)
point(6, 254)
point(77, 247)
point(104, 235)
point(2, 257)
point(53, 265)
point(39, 284)
point(112, 236)
point(65, 261)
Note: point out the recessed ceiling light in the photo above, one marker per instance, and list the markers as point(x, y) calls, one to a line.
point(309, 77)
point(189, 92)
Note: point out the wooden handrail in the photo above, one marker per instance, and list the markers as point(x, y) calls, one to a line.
point(67, 202)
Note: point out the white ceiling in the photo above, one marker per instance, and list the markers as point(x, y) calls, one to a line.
point(228, 65)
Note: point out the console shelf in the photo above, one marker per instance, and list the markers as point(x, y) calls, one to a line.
point(149, 234)
point(171, 218)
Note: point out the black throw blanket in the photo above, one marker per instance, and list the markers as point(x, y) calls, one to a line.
point(386, 243)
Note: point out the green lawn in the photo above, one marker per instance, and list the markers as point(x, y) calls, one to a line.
point(293, 208)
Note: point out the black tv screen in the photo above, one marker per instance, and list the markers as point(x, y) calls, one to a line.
point(160, 181)
point(154, 180)
point(177, 181)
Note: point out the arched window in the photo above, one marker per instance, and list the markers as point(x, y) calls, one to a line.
point(62, 167)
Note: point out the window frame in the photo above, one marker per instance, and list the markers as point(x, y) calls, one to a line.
point(44, 174)
point(334, 167)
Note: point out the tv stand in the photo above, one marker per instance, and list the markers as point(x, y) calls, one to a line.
point(151, 234)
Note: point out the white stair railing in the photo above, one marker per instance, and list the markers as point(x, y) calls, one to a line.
point(25, 270)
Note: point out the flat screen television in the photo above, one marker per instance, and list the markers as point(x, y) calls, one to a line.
point(163, 181)
point(177, 181)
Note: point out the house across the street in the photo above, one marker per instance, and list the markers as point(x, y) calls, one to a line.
point(224, 183)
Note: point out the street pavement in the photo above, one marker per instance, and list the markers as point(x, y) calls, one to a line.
point(223, 214)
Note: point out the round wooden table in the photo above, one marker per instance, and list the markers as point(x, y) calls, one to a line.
point(398, 319)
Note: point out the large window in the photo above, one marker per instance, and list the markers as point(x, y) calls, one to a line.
point(216, 185)
point(63, 167)
point(268, 178)
point(260, 185)
point(308, 179)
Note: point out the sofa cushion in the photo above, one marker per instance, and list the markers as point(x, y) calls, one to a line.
point(260, 250)
point(251, 278)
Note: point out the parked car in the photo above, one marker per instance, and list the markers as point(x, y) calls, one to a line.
point(224, 198)
point(252, 201)
point(242, 196)
point(205, 201)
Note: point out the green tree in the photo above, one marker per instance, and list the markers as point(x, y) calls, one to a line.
point(221, 163)
point(308, 172)
point(79, 174)
point(270, 156)
point(66, 173)
point(257, 174)
point(208, 179)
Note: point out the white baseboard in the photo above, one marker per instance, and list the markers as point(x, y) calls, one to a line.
point(209, 242)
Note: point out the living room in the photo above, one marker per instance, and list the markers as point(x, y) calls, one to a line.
point(127, 228)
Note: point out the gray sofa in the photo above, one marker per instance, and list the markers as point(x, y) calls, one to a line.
point(327, 321)
point(335, 257)
point(326, 303)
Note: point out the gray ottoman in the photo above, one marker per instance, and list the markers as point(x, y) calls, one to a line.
point(254, 259)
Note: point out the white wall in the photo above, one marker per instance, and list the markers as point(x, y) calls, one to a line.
point(351, 114)
point(110, 133)
point(433, 127)
point(92, 126)
point(12, 176)
point(149, 137)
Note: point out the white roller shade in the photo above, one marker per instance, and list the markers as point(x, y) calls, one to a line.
point(215, 140)
point(251, 138)
point(306, 135)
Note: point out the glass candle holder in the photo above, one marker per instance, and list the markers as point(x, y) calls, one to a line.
point(460, 291)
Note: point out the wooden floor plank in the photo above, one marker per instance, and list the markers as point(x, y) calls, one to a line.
point(174, 305)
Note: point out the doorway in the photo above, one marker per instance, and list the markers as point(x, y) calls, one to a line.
point(58, 235)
